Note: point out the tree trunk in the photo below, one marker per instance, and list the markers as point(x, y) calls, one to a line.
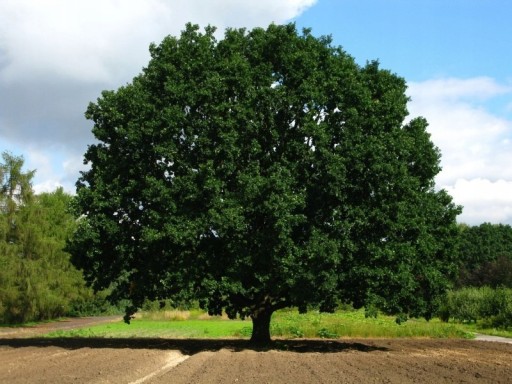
point(261, 326)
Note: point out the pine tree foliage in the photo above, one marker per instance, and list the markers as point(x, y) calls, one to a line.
point(37, 280)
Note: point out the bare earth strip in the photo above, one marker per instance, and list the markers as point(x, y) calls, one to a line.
point(27, 358)
point(385, 361)
point(137, 361)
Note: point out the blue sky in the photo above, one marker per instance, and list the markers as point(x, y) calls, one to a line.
point(421, 39)
point(57, 55)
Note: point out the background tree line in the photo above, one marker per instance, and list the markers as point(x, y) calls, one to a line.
point(485, 252)
point(483, 289)
point(38, 281)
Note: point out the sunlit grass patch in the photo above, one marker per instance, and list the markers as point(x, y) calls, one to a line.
point(355, 324)
point(285, 324)
point(148, 328)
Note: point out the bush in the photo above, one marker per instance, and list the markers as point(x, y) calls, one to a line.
point(501, 303)
point(95, 304)
point(493, 306)
point(465, 305)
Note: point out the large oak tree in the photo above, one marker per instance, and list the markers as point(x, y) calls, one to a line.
point(262, 171)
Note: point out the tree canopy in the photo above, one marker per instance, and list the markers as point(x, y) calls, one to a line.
point(261, 171)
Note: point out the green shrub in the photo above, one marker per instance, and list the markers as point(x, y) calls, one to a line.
point(501, 302)
point(324, 333)
point(465, 304)
point(492, 306)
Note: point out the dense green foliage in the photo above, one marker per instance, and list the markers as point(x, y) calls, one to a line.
point(492, 306)
point(37, 280)
point(263, 171)
point(486, 255)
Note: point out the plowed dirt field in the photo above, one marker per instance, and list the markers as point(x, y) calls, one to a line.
point(136, 361)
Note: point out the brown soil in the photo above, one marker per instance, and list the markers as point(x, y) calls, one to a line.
point(137, 361)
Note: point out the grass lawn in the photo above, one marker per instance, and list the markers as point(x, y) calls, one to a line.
point(285, 324)
point(140, 328)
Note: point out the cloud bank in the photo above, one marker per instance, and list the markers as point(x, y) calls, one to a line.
point(470, 125)
point(58, 55)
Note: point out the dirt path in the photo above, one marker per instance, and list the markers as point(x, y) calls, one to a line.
point(139, 361)
point(497, 339)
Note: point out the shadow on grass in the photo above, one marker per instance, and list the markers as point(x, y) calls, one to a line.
point(192, 346)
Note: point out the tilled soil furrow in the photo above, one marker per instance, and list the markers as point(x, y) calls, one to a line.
point(84, 365)
point(303, 361)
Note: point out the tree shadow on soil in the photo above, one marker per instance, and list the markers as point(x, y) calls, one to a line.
point(193, 346)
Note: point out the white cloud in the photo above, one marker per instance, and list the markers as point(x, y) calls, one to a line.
point(72, 167)
point(479, 88)
point(475, 143)
point(45, 180)
point(57, 55)
point(483, 200)
point(54, 170)
point(107, 40)
point(49, 186)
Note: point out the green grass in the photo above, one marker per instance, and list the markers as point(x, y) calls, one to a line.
point(143, 328)
point(355, 324)
point(285, 324)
